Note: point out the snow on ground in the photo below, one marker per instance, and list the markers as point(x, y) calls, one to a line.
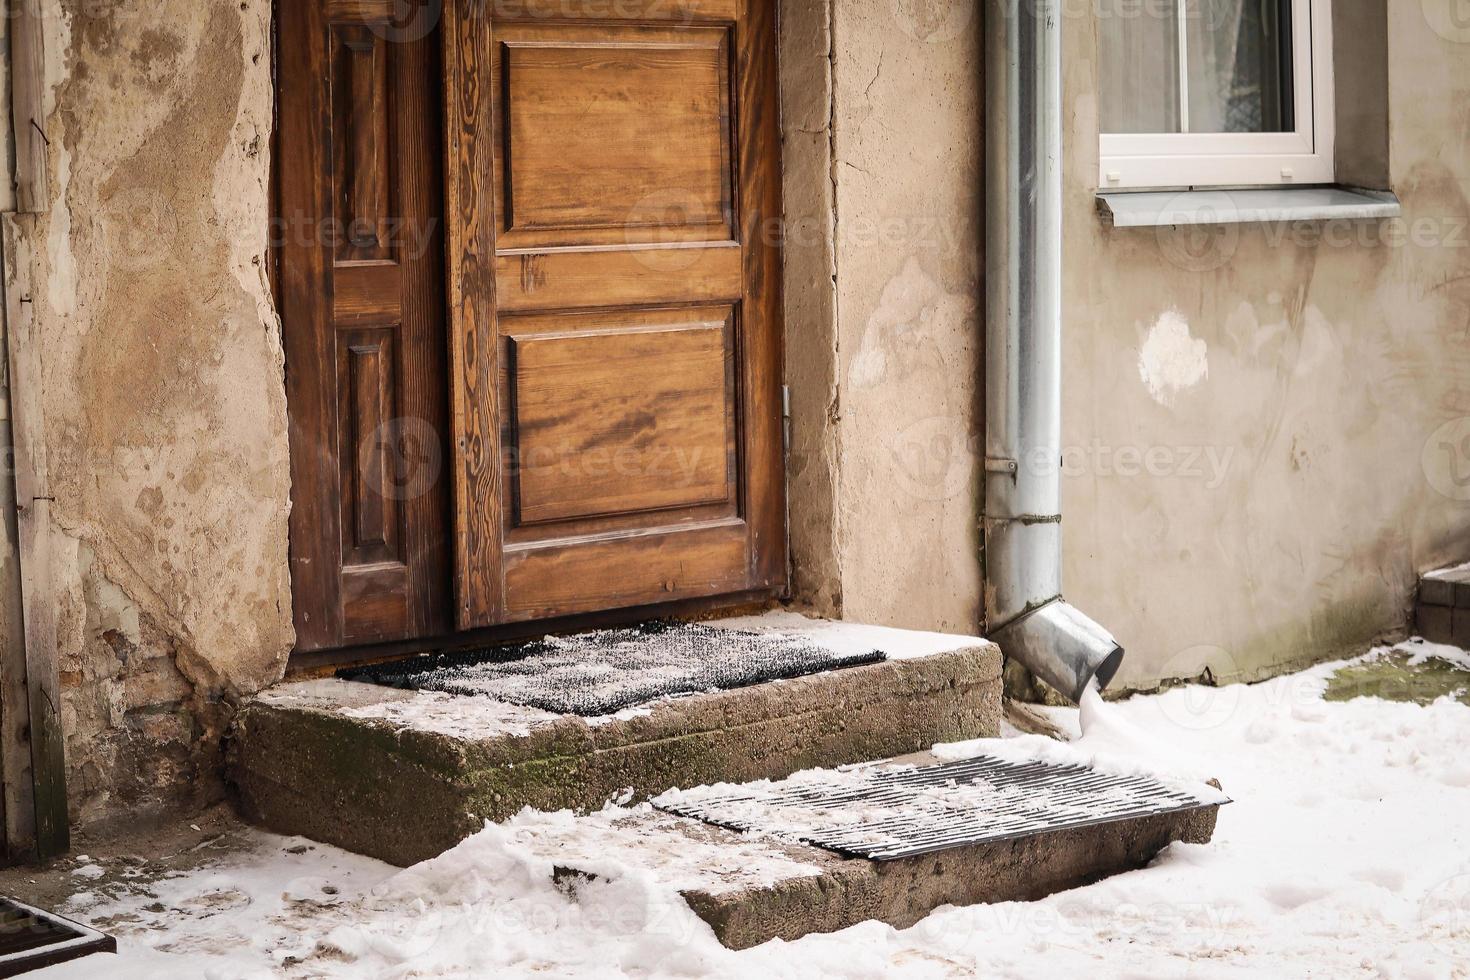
point(1345, 854)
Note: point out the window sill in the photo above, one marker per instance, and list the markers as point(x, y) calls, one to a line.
point(1151, 209)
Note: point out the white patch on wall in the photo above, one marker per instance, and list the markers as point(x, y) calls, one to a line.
point(1170, 360)
point(905, 310)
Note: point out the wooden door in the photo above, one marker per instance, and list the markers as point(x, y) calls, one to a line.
point(614, 186)
point(580, 410)
point(360, 235)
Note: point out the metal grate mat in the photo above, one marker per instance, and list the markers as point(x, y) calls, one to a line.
point(885, 814)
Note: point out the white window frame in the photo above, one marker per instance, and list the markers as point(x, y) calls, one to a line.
point(1241, 159)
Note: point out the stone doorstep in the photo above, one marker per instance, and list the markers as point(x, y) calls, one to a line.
point(404, 776)
point(1445, 587)
point(750, 890)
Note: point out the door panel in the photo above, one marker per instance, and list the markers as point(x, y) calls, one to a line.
point(621, 413)
point(564, 279)
point(632, 192)
point(362, 315)
point(613, 135)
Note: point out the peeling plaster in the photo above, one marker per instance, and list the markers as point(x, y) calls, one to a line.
point(1319, 360)
point(1170, 360)
point(163, 394)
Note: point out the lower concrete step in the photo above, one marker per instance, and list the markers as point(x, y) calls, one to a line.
point(404, 775)
point(752, 889)
point(1442, 606)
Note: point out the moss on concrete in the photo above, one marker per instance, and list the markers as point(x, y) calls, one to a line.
point(1397, 676)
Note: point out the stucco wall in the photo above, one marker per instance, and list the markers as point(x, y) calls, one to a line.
point(1260, 420)
point(162, 395)
point(881, 103)
point(1259, 425)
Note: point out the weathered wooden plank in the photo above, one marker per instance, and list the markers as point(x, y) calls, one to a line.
point(48, 759)
point(27, 107)
point(17, 777)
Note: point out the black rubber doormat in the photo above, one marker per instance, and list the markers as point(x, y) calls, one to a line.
point(884, 814)
point(601, 673)
point(32, 938)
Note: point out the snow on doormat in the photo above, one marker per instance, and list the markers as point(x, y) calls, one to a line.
point(601, 673)
point(888, 813)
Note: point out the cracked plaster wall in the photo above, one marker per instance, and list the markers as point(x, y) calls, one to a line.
point(881, 105)
point(1267, 428)
point(1322, 377)
point(162, 391)
point(1304, 392)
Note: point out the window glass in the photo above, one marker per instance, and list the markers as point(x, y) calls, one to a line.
point(1238, 66)
point(1139, 66)
point(1237, 71)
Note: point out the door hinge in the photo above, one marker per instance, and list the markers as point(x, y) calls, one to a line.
point(786, 419)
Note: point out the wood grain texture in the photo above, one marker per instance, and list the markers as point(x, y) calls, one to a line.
point(606, 286)
point(362, 314)
point(27, 35)
point(586, 575)
point(613, 135)
point(635, 415)
point(51, 826)
point(568, 279)
point(305, 299)
point(759, 142)
point(474, 347)
point(638, 173)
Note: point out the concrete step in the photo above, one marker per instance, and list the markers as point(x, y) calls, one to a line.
point(1442, 606)
point(752, 889)
point(405, 775)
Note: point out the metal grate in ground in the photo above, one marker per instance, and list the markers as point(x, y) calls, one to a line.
point(885, 814)
point(32, 938)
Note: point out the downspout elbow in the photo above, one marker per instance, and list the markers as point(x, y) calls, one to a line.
point(1062, 646)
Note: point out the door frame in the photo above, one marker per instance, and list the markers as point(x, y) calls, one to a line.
point(469, 229)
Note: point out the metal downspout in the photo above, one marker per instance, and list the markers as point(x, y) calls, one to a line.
point(1025, 613)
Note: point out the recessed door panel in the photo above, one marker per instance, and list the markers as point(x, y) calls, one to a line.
point(613, 134)
point(621, 413)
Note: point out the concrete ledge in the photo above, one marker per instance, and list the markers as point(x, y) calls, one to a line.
point(751, 891)
point(404, 776)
